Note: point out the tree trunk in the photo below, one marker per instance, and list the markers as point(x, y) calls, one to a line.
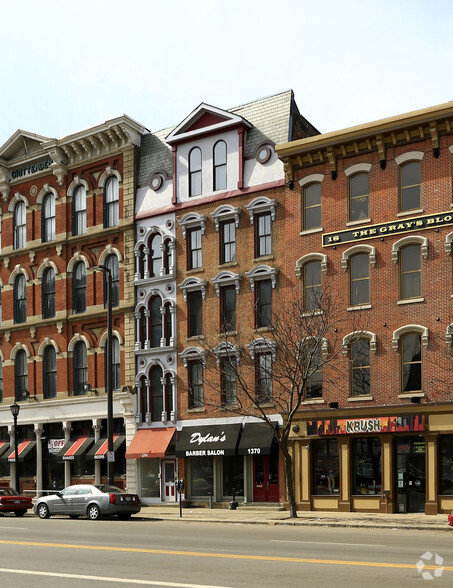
point(289, 480)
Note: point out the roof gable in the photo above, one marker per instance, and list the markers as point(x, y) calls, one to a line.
point(22, 145)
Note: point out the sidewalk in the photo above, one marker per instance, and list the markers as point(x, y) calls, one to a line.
point(275, 516)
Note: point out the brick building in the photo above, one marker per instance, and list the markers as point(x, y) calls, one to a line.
point(374, 214)
point(211, 197)
point(66, 206)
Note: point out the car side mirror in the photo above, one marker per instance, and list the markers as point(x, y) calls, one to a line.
point(58, 494)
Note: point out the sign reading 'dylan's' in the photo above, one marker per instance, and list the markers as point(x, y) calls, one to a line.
point(208, 440)
point(200, 441)
point(388, 424)
point(28, 170)
point(419, 223)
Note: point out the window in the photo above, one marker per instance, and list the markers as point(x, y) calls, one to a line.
point(21, 375)
point(228, 241)
point(49, 361)
point(360, 367)
point(410, 179)
point(263, 235)
point(157, 398)
point(156, 321)
point(111, 202)
point(168, 330)
point(48, 293)
point(227, 308)
point(140, 258)
point(263, 378)
point(313, 367)
point(311, 206)
point(360, 279)
point(446, 464)
point(80, 368)
point(228, 380)
point(312, 286)
point(195, 372)
point(263, 303)
point(194, 258)
point(326, 467)
point(111, 263)
point(143, 398)
point(142, 330)
point(195, 172)
point(79, 287)
point(155, 256)
point(194, 313)
point(411, 363)
point(168, 396)
point(20, 225)
point(411, 272)
point(20, 299)
point(48, 218)
point(220, 165)
point(358, 197)
point(79, 211)
point(116, 364)
point(366, 466)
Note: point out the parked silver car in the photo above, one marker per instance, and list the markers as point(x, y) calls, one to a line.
point(88, 500)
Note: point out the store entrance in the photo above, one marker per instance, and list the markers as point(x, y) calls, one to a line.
point(265, 476)
point(410, 474)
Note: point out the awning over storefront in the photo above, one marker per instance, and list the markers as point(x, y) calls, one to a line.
point(256, 439)
point(99, 449)
point(150, 443)
point(3, 447)
point(75, 447)
point(208, 440)
point(23, 447)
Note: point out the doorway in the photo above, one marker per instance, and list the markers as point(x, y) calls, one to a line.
point(168, 476)
point(265, 477)
point(410, 474)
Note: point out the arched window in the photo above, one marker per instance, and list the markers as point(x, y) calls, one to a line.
point(358, 196)
point(360, 367)
point(48, 217)
point(195, 172)
point(79, 211)
point(220, 165)
point(410, 181)
point(168, 395)
point(157, 399)
point(79, 287)
point(411, 363)
point(21, 375)
point(142, 330)
point(20, 299)
point(20, 225)
point(155, 256)
point(49, 385)
point(359, 279)
point(166, 256)
point(312, 286)
point(48, 293)
point(156, 321)
point(411, 272)
point(80, 368)
point(313, 369)
point(143, 398)
point(167, 324)
point(111, 263)
point(116, 364)
point(141, 259)
point(311, 206)
point(111, 202)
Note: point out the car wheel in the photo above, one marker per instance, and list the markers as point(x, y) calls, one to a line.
point(93, 512)
point(19, 513)
point(43, 511)
point(73, 516)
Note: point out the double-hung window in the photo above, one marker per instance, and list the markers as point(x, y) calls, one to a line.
point(20, 225)
point(49, 372)
point(263, 378)
point(411, 363)
point(111, 202)
point(21, 375)
point(228, 241)
point(79, 287)
point(220, 165)
point(263, 235)
point(227, 308)
point(312, 286)
point(411, 272)
point(48, 293)
point(195, 172)
point(358, 197)
point(360, 279)
point(48, 218)
point(20, 299)
point(80, 368)
point(194, 313)
point(228, 380)
point(311, 206)
point(263, 303)
point(410, 184)
point(79, 211)
point(360, 367)
point(195, 373)
point(194, 252)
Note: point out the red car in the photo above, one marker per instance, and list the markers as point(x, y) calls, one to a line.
point(450, 519)
point(12, 501)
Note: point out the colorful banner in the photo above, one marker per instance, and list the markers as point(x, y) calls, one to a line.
point(389, 424)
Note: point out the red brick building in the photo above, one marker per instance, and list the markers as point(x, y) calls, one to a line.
point(66, 207)
point(370, 219)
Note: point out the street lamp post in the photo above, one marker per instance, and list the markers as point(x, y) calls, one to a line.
point(109, 376)
point(15, 408)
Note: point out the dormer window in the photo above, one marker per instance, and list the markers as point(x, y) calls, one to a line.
point(220, 165)
point(195, 172)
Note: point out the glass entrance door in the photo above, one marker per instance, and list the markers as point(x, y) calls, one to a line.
point(410, 474)
point(169, 468)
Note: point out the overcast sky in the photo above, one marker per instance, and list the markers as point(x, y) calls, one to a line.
point(68, 65)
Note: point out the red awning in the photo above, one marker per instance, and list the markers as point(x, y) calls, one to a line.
point(99, 449)
point(22, 449)
point(75, 447)
point(150, 443)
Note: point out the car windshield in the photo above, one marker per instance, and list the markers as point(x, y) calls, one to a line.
point(8, 492)
point(110, 489)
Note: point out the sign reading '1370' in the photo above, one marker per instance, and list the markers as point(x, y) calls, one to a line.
point(418, 223)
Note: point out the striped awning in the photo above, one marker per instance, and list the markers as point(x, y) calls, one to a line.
point(76, 447)
point(99, 449)
point(23, 447)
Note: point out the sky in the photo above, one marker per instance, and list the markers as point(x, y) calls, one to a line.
point(70, 65)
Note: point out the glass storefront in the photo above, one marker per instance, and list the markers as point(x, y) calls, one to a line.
point(150, 478)
point(202, 476)
point(326, 467)
point(446, 464)
point(366, 466)
point(233, 476)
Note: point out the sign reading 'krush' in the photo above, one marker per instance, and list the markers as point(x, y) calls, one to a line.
point(389, 424)
point(418, 223)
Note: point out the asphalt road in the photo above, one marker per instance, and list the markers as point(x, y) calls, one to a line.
point(60, 552)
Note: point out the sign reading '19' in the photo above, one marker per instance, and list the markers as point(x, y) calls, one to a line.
point(394, 228)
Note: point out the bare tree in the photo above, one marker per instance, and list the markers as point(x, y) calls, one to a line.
point(277, 372)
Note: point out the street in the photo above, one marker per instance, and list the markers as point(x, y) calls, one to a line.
point(71, 553)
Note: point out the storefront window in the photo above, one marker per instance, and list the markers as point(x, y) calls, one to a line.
point(366, 472)
point(150, 486)
point(202, 479)
point(446, 464)
point(233, 475)
point(326, 467)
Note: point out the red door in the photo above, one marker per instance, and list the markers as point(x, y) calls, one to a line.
point(265, 472)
